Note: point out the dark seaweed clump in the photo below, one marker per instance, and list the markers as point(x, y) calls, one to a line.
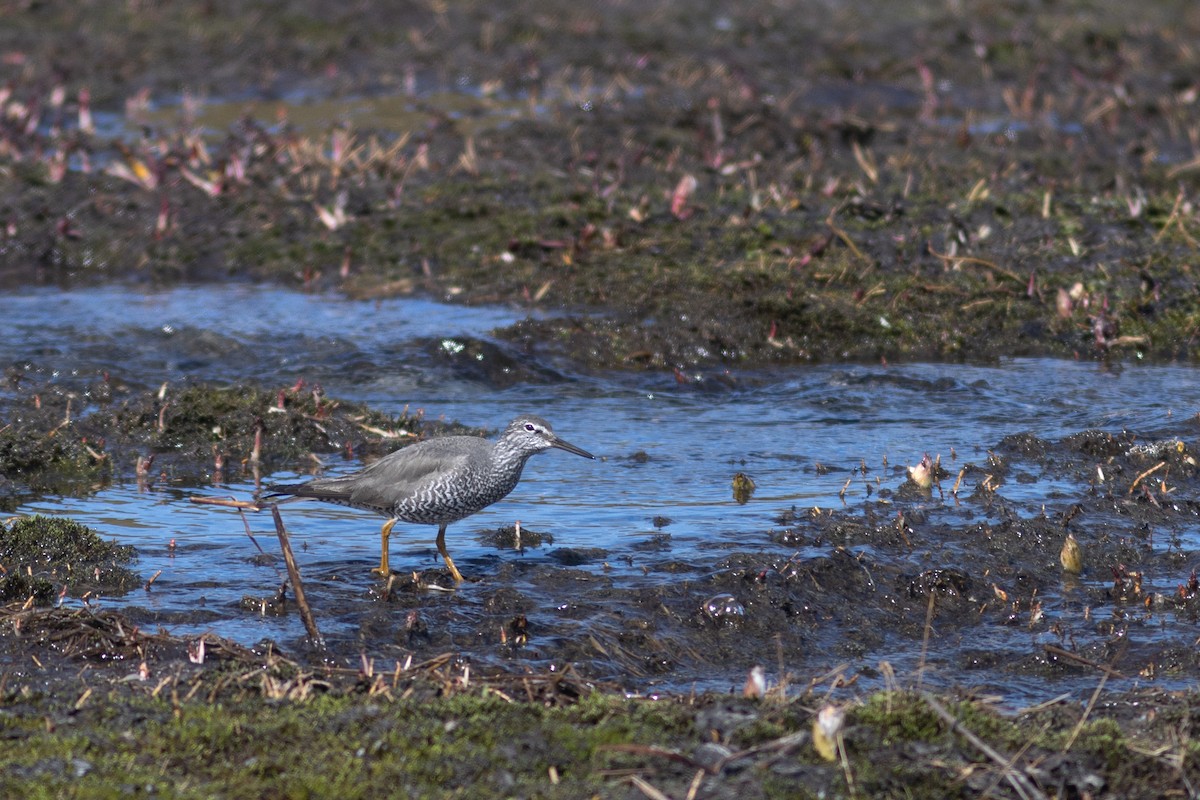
point(42, 553)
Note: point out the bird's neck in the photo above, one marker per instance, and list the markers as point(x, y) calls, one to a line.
point(505, 453)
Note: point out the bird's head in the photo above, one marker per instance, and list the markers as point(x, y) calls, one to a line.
point(530, 434)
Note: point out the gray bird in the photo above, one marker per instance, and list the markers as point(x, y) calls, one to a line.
point(437, 481)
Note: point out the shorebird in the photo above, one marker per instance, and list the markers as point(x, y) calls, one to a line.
point(437, 481)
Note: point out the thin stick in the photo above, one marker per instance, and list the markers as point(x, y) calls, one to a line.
point(650, 750)
point(642, 786)
point(227, 502)
point(925, 640)
point(249, 533)
point(241, 505)
point(1108, 671)
point(999, 270)
point(841, 749)
point(845, 237)
point(1095, 696)
point(153, 578)
point(958, 481)
point(1146, 474)
point(306, 615)
point(1025, 787)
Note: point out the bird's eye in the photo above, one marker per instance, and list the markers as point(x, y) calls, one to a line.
point(529, 427)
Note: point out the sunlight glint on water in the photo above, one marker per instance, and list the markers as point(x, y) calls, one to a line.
point(666, 450)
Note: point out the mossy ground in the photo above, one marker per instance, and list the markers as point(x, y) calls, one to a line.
point(233, 730)
point(746, 187)
point(39, 553)
point(193, 432)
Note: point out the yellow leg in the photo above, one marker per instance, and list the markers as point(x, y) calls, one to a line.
point(384, 534)
point(441, 545)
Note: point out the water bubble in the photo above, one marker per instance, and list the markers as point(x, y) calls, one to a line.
point(725, 609)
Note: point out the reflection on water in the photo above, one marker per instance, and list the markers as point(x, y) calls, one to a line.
point(229, 334)
point(668, 452)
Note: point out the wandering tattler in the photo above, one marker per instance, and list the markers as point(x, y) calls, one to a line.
point(437, 481)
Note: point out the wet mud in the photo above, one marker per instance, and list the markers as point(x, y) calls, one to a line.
point(974, 577)
point(682, 189)
point(742, 188)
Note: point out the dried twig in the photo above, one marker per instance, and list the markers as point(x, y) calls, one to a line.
point(1095, 696)
point(999, 270)
point(227, 502)
point(310, 624)
point(1019, 780)
point(650, 750)
point(645, 788)
point(1146, 474)
point(1087, 662)
point(925, 638)
point(845, 237)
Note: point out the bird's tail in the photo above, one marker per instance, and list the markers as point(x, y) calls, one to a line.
point(315, 490)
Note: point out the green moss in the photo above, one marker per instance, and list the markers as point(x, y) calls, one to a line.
point(63, 551)
point(1101, 736)
point(294, 422)
point(221, 737)
point(20, 586)
point(907, 717)
point(900, 716)
point(332, 747)
point(47, 458)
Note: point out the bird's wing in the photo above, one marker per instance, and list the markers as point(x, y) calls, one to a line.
point(401, 474)
point(391, 478)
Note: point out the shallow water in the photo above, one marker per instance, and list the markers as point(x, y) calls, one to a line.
point(800, 433)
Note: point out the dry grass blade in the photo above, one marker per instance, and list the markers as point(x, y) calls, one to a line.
point(645, 788)
point(1095, 696)
point(1053, 701)
point(845, 237)
point(925, 639)
point(1018, 779)
point(776, 747)
point(999, 270)
point(648, 750)
point(866, 163)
